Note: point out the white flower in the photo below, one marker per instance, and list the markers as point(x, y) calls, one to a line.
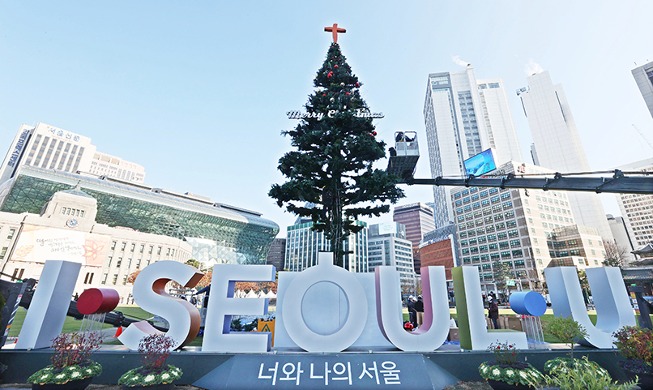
point(75, 374)
point(523, 374)
point(60, 376)
point(44, 376)
point(496, 371)
point(510, 372)
point(165, 375)
point(149, 378)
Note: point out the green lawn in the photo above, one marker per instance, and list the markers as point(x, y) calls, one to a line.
point(71, 324)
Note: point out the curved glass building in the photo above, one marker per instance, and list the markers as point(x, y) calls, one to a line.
point(217, 232)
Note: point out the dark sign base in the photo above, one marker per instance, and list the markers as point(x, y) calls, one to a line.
point(433, 370)
point(333, 371)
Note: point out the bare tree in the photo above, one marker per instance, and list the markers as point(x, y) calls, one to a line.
point(615, 255)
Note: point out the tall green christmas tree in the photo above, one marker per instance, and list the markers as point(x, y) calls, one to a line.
point(330, 174)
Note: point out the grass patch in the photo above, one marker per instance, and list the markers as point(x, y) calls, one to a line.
point(73, 325)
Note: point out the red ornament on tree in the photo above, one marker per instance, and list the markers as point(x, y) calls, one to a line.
point(358, 85)
point(374, 133)
point(330, 74)
point(324, 94)
point(335, 66)
point(347, 93)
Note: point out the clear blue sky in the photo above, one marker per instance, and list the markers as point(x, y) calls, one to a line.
point(197, 91)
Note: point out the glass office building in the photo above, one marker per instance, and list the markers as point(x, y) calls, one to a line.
point(234, 235)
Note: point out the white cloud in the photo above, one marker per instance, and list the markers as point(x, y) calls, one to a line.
point(533, 68)
point(458, 61)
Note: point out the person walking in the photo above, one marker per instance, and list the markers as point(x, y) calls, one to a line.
point(493, 312)
point(419, 309)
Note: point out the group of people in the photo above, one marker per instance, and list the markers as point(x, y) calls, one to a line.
point(415, 308)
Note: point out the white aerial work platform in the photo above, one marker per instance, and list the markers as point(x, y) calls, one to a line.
point(404, 155)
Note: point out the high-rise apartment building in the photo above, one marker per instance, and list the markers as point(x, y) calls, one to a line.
point(303, 245)
point(418, 220)
point(48, 147)
point(463, 117)
point(644, 78)
point(557, 144)
point(387, 245)
point(636, 209)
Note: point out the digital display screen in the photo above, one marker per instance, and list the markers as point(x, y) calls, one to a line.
point(480, 164)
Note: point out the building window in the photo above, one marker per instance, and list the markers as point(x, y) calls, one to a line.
point(115, 279)
point(88, 279)
point(18, 274)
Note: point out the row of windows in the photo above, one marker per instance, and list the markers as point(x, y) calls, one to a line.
point(477, 206)
point(513, 233)
point(123, 246)
point(487, 260)
point(129, 262)
point(483, 194)
point(71, 211)
point(504, 254)
point(488, 228)
point(551, 200)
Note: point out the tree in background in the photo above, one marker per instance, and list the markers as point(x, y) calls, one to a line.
point(502, 272)
point(330, 174)
point(615, 255)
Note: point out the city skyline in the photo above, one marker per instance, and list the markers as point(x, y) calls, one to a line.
point(166, 87)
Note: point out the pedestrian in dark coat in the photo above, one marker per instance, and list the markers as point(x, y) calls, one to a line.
point(419, 309)
point(493, 312)
point(412, 314)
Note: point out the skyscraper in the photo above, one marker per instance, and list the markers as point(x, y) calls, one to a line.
point(418, 219)
point(303, 244)
point(48, 147)
point(557, 146)
point(463, 117)
point(387, 245)
point(636, 209)
point(644, 78)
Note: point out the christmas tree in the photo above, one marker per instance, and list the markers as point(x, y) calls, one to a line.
point(330, 174)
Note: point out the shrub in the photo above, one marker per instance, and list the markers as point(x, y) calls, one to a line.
point(566, 330)
point(636, 345)
point(154, 350)
point(71, 359)
point(506, 368)
point(581, 374)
